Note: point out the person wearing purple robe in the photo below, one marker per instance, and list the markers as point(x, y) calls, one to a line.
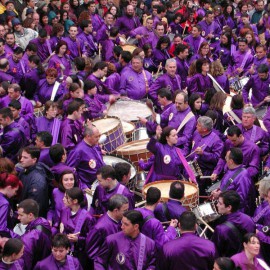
point(12, 255)
point(31, 49)
point(181, 52)
point(70, 132)
point(259, 58)
point(59, 259)
point(108, 186)
point(109, 44)
point(135, 73)
point(105, 27)
point(128, 22)
point(152, 227)
point(76, 223)
point(241, 61)
point(144, 34)
point(113, 81)
point(57, 34)
point(49, 88)
point(251, 152)
point(206, 149)
point(232, 224)
point(37, 236)
point(87, 158)
point(259, 84)
point(160, 52)
point(169, 80)
point(266, 120)
point(238, 179)
point(107, 224)
point(194, 40)
point(172, 209)
point(4, 67)
point(252, 132)
point(87, 37)
point(181, 252)
point(43, 44)
point(76, 47)
point(175, 115)
point(129, 249)
point(13, 137)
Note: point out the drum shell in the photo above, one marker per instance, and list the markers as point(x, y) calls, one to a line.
point(140, 134)
point(129, 129)
point(129, 47)
point(189, 201)
point(115, 136)
point(207, 217)
point(129, 151)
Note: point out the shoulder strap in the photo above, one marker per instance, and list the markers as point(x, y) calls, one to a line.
point(185, 120)
point(43, 229)
point(54, 91)
point(141, 252)
point(146, 219)
point(218, 88)
point(230, 180)
point(234, 229)
point(145, 81)
point(234, 116)
point(120, 189)
point(166, 211)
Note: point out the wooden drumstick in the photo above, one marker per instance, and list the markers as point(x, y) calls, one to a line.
point(159, 68)
point(165, 222)
point(201, 220)
point(205, 177)
point(194, 151)
point(99, 49)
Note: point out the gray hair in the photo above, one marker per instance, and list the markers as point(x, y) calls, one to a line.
point(170, 60)
point(206, 122)
point(116, 202)
point(249, 110)
point(89, 131)
point(264, 186)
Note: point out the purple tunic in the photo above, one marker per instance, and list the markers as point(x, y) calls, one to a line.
point(190, 252)
point(134, 90)
point(24, 126)
point(4, 266)
point(223, 53)
point(199, 84)
point(76, 47)
point(212, 28)
point(154, 230)
point(241, 260)
point(6, 77)
point(260, 89)
point(175, 210)
point(160, 56)
point(147, 35)
point(51, 264)
point(102, 33)
point(266, 120)
point(101, 198)
point(43, 49)
point(226, 242)
point(45, 157)
point(103, 90)
point(107, 49)
point(251, 157)
point(263, 215)
point(167, 162)
point(95, 107)
point(223, 82)
point(16, 70)
point(194, 43)
point(120, 252)
point(258, 136)
point(182, 70)
point(104, 227)
point(87, 160)
point(126, 24)
point(37, 242)
point(113, 83)
point(10, 50)
point(56, 62)
point(89, 44)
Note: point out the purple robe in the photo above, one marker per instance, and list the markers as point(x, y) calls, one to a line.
point(258, 136)
point(51, 264)
point(120, 252)
point(126, 24)
point(260, 89)
point(107, 49)
point(95, 107)
point(104, 227)
point(43, 49)
point(87, 160)
point(241, 260)
point(16, 69)
point(102, 33)
point(24, 126)
point(70, 134)
point(154, 230)
point(97, 21)
point(212, 28)
point(101, 198)
point(194, 43)
point(251, 157)
point(266, 120)
point(103, 90)
point(263, 215)
point(167, 162)
point(45, 157)
point(76, 47)
point(226, 242)
point(223, 53)
point(175, 210)
point(6, 77)
point(37, 243)
point(160, 56)
point(190, 252)
point(53, 42)
point(133, 83)
point(113, 83)
point(182, 70)
point(12, 266)
point(10, 50)
point(223, 81)
point(56, 62)
point(147, 35)
point(89, 43)
point(199, 84)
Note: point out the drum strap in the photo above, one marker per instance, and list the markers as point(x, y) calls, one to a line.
point(185, 120)
point(245, 59)
point(120, 189)
point(55, 130)
point(146, 219)
point(253, 133)
point(235, 117)
point(145, 81)
point(166, 211)
point(54, 91)
point(233, 48)
point(219, 88)
point(141, 252)
point(22, 66)
point(49, 46)
point(230, 180)
point(234, 230)
point(257, 217)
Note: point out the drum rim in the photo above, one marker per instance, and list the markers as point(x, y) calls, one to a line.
point(130, 123)
point(131, 152)
point(111, 130)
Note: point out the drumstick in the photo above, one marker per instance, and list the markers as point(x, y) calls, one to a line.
point(77, 233)
point(194, 151)
point(99, 49)
point(165, 222)
point(184, 29)
point(201, 220)
point(97, 216)
point(205, 177)
point(232, 117)
point(159, 68)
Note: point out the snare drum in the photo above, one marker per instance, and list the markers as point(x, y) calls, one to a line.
point(129, 111)
point(140, 134)
point(191, 196)
point(206, 211)
point(128, 128)
point(38, 112)
point(112, 128)
point(134, 151)
point(128, 47)
point(238, 83)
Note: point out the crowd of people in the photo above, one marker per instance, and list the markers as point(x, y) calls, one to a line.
point(65, 63)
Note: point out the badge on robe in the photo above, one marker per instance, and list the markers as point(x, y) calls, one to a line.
point(120, 258)
point(61, 228)
point(169, 87)
point(100, 88)
point(167, 159)
point(203, 33)
point(92, 164)
point(170, 116)
point(130, 79)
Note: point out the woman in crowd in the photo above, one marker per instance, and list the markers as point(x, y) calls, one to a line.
point(195, 104)
point(217, 71)
point(203, 52)
point(161, 54)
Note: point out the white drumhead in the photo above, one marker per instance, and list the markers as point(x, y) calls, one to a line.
point(136, 145)
point(106, 124)
point(127, 127)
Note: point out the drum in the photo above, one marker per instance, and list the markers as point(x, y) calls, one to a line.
point(134, 151)
point(191, 196)
point(128, 47)
point(227, 106)
point(195, 168)
point(129, 111)
point(213, 187)
point(112, 128)
point(112, 160)
point(238, 83)
point(206, 211)
point(140, 134)
point(128, 128)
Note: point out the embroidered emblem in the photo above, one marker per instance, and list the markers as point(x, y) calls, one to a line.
point(120, 258)
point(170, 116)
point(92, 164)
point(130, 79)
point(167, 159)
